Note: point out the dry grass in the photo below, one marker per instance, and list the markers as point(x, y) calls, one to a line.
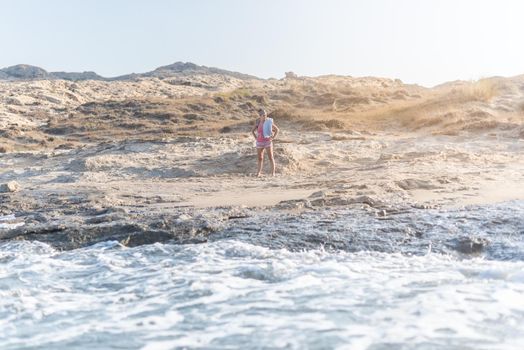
point(236, 94)
point(309, 120)
point(482, 90)
point(285, 115)
point(323, 104)
point(434, 110)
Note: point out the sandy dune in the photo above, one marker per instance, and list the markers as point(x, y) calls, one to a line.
point(171, 158)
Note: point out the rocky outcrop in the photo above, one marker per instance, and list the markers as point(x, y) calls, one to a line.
point(74, 231)
point(24, 72)
point(468, 245)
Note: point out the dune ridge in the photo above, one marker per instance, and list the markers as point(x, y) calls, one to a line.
point(47, 114)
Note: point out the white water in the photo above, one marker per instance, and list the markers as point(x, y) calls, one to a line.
point(6, 222)
point(232, 294)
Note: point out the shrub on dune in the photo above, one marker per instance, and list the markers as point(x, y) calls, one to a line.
point(482, 90)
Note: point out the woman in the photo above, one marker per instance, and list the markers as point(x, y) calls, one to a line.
point(265, 131)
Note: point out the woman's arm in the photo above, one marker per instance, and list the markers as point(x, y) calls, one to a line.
point(253, 131)
point(276, 130)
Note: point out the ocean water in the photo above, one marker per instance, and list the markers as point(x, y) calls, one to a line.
point(329, 279)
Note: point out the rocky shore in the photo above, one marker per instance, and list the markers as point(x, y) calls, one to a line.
point(169, 157)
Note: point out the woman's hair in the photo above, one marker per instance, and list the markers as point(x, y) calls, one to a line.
point(262, 111)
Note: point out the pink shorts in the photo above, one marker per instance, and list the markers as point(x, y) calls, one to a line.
point(264, 144)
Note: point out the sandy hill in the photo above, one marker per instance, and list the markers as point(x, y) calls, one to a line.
point(40, 110)
point(155, 148)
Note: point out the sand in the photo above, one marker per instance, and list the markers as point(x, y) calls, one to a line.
point(156, 161)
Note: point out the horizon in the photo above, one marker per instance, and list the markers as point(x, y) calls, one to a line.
point(425, 44)
point(263, 78)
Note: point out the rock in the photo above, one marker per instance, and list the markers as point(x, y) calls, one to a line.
point(13, 101)
point(337, 201)
point(183, 218)
point(238, 213)
point(291, 75)
point(51, 99)
point(25, 71)
point(111, 217)
point(318, 202)
point(318, 194)
point(11, 186)
point(72, 234)
point(423, 206)
point(382, 213)
point(366, 200)
point(35, 218)
point(415, 184)
point(293, 204)
point(468, 245)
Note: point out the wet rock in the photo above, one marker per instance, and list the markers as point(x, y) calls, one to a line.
point(11, 186)
point(337, 201)
point(74, 232)
point(110, 217)
point(182, 218)
point(294, 204)
point(35, 229)
point(366, 200)
point(237, 212)
point(36, 218)
point(146, 237)
point(468, 245)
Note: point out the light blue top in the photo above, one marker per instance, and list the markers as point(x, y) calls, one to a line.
point(268, 127)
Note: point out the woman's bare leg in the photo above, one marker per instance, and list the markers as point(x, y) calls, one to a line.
point(260, 158)
point(271, 159)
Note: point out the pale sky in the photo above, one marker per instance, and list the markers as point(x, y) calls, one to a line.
point(419, 41)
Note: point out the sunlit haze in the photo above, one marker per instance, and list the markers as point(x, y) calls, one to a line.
point(424, 42)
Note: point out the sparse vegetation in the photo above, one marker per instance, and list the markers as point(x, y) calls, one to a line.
point(235, 94)
point(482, 90)
point(284, 115)
point(323, 103)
